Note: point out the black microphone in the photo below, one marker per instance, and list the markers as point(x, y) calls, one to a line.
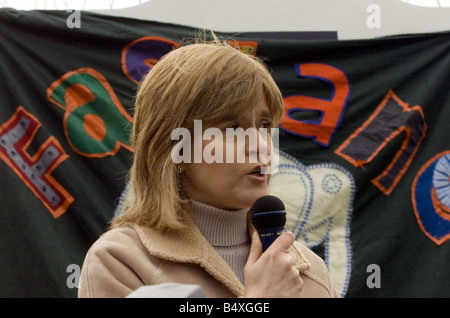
point(269, 218)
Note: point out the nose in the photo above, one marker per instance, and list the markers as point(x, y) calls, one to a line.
point(258, 145)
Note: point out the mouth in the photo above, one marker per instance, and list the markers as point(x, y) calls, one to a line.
point(256, 173)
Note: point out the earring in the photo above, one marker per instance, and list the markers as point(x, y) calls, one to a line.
point(179, 169)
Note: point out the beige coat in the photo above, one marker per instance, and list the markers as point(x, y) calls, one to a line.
point(126, 258)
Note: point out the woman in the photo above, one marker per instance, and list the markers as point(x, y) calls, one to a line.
point(188, 222)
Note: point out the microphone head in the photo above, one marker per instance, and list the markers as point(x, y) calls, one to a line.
point(268, 211)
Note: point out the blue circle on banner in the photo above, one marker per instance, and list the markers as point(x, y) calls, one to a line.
point(430, 219)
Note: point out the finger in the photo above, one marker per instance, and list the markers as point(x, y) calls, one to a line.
point(293, 256)
point(255, 249)
point(283, 242)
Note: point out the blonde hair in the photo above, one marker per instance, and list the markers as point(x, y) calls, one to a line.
point(211, 81)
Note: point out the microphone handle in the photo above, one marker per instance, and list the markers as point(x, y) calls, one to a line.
point(269, 235)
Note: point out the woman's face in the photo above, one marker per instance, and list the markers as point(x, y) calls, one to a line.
point(235, 183)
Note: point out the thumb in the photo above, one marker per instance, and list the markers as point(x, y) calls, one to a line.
point(255, 249)
point(283, 242)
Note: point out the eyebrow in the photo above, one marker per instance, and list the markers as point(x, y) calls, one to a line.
point(266, 113)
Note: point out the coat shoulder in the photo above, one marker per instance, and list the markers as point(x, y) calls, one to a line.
point(316, 270)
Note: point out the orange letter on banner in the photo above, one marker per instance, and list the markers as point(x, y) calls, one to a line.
point(331, 110)
point(15, 136)
point(247, 47)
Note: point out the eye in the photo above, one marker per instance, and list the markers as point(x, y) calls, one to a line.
point(233, 126)
point(265, 124)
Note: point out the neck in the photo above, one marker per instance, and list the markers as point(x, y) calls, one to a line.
point(227, 232)
point(221, 227)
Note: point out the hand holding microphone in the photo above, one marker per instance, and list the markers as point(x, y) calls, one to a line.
point(270, 271)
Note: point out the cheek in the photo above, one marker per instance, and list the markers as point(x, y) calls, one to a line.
point(204, 176)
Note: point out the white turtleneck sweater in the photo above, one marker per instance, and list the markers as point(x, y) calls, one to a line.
point(227, 232)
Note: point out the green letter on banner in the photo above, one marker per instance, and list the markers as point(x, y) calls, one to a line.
point(95, 123)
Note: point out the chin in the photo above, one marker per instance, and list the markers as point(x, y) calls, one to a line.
point(254, 196)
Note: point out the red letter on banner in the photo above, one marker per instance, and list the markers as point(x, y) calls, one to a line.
point(15, 136)
point(391, 118)
point(331, 110)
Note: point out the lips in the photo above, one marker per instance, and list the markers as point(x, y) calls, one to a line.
point(256, 170)
point(256, 174)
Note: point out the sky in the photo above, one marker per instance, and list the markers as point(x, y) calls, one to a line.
point(121, 4)
point(70, 4)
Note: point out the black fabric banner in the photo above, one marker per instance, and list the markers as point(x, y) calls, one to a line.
point(364, 149)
